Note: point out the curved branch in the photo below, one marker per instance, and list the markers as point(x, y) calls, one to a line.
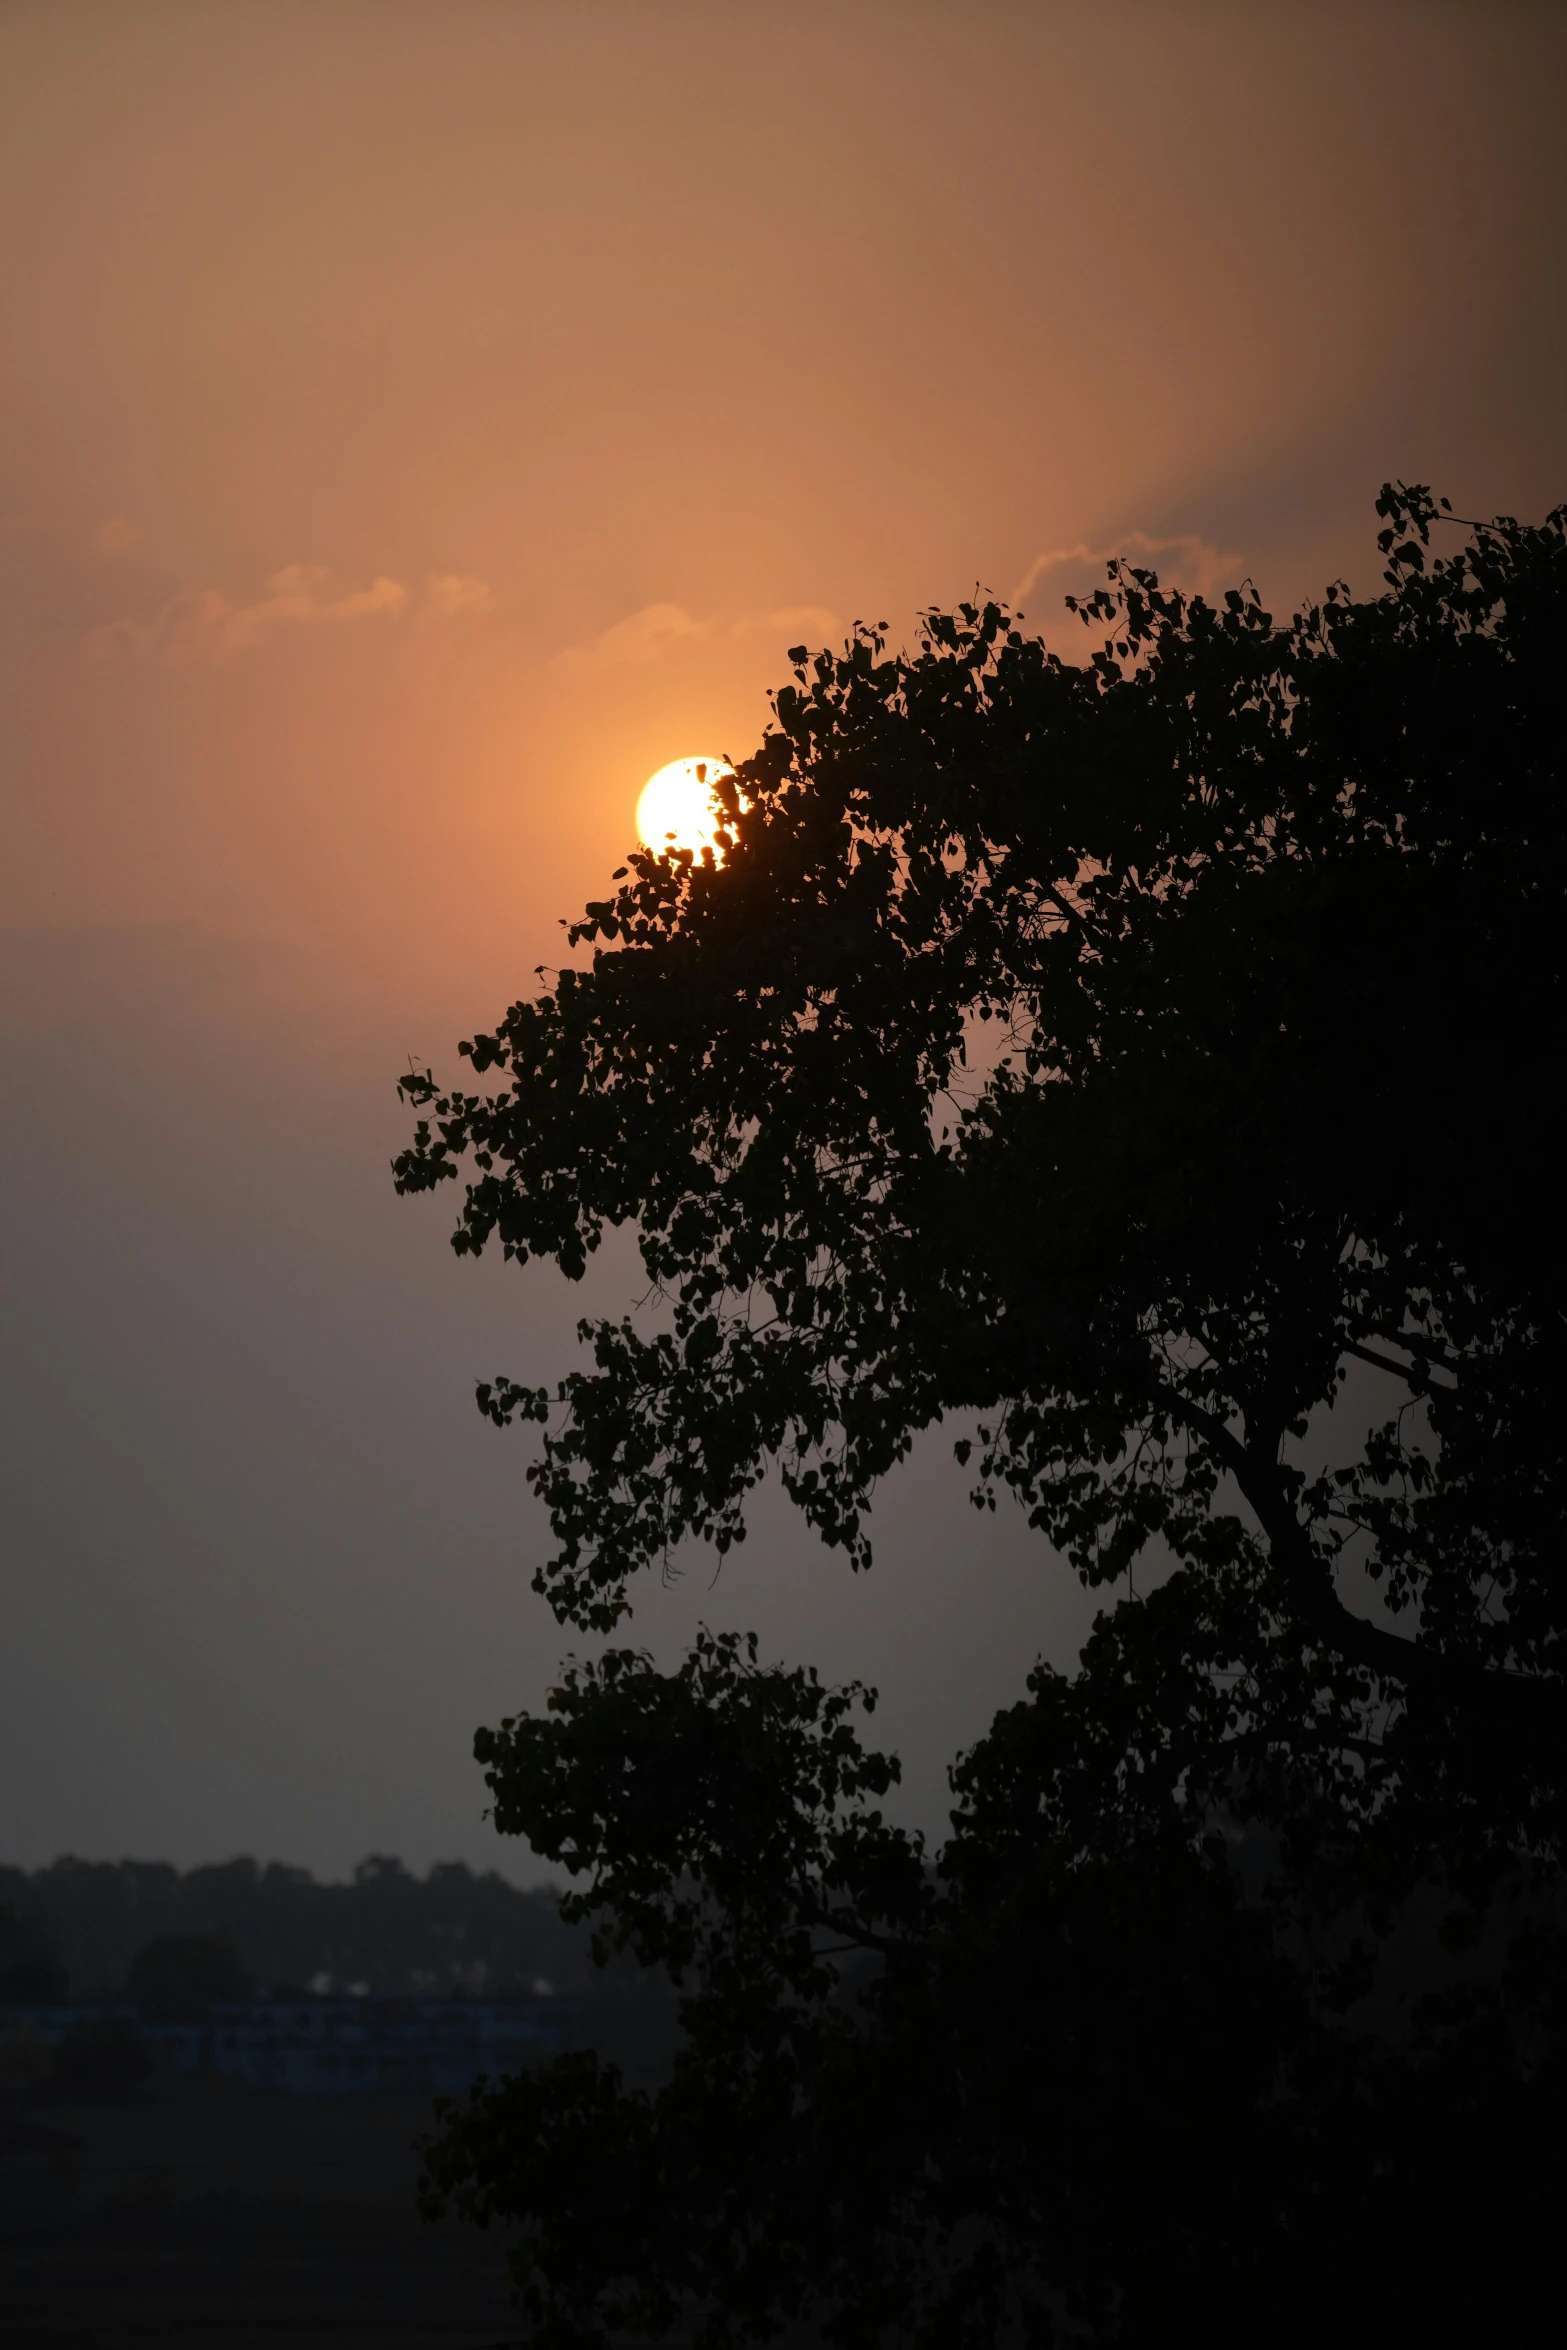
point(1308, 1579)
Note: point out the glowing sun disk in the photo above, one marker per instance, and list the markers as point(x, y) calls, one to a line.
point(678, 801)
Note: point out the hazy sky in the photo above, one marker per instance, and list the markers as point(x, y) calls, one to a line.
point(419, 423)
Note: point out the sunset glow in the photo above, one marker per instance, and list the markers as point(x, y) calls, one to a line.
point(420, 422)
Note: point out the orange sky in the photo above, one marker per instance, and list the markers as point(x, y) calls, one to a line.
point(420, 422)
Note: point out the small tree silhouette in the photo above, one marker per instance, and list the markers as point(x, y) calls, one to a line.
point(177, 1977)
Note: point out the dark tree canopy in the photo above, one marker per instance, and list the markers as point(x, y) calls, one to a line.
point(400, 1934)
point(1147, 1066)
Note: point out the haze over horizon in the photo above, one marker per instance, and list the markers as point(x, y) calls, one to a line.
point(420, 425)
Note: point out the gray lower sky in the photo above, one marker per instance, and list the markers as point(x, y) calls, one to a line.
point(420, 424)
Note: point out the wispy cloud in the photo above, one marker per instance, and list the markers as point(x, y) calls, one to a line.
point(1189, 563)
point(203, 624)
point(448, 594)
point(658, 630)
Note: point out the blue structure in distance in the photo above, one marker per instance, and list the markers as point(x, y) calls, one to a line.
point(343, 2047)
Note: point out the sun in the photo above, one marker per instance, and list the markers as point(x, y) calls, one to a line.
point(678, 801)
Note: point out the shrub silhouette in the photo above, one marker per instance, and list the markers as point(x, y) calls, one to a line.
point(102, 2060)
point(178, 1977)
point(31, 1970)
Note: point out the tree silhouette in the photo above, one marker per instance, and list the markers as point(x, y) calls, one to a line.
point(447, 1932)
point(30, 1966)
point(176, 1978)
point(1147, 1065)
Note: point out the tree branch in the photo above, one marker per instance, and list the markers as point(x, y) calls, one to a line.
point(1422, 1353)
point(814, 1913)
point(1420, 1369)
point(1075, 916)
point(1308, 1580)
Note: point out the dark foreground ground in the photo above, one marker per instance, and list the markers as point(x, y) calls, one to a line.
point(210, 2216)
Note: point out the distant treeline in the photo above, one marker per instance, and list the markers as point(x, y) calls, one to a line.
point(387, 1930)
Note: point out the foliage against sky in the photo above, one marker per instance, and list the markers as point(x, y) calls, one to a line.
point(1271, 916)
